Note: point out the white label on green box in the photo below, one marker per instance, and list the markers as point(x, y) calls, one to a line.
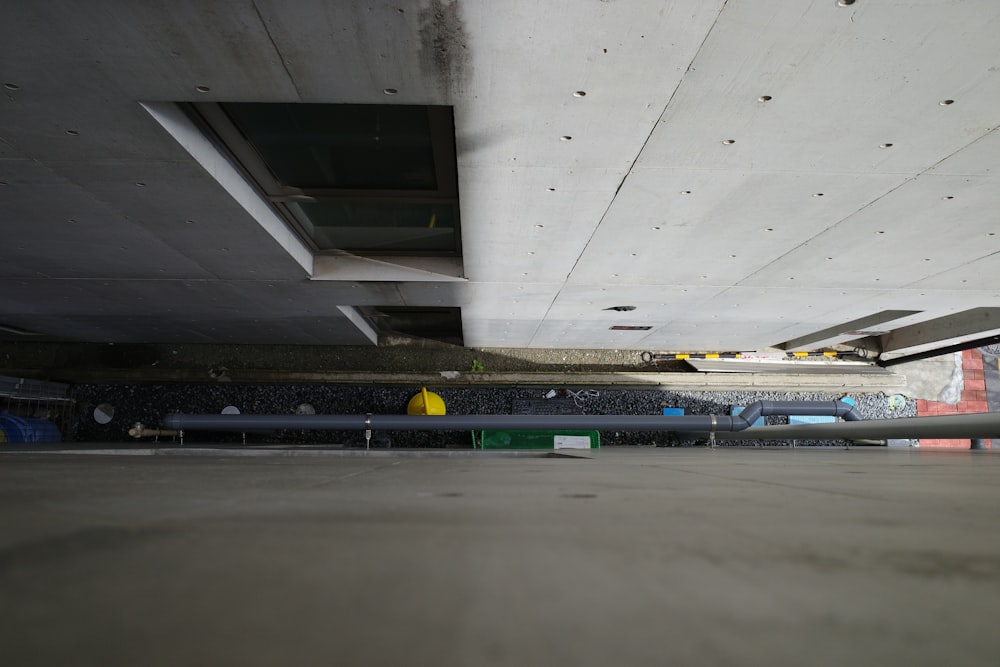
point(572, 441)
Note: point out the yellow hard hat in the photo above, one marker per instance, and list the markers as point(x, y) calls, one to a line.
point(425, 403)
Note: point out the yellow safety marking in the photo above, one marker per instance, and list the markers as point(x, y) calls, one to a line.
point(433, 220)
point(682, 356)
point(800, 354)
point(829, 354)
point(711, 356)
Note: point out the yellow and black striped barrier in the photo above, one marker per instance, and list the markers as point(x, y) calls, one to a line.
point(651, 356)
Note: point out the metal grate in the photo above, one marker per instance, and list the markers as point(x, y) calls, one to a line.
point(25, 398)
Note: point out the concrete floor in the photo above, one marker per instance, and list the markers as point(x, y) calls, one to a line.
point(635, 557)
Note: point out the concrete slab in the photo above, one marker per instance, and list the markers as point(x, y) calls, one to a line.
point(636, 557)
point(933, 379)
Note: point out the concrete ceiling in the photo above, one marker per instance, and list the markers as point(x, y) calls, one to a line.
point(112, 231)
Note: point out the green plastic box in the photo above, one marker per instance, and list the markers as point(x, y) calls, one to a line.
point(537, 440)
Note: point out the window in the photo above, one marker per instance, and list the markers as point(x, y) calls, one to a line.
point(435, 323)
point(364, 178)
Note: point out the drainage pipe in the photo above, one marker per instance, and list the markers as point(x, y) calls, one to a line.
point(370, 422)
point(984, 425)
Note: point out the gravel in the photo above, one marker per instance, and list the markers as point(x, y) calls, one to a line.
point(147, 403)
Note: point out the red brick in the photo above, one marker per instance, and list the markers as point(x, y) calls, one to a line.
point(977, 406)
point(975, 395)
point(972, 374)
point(922, 406)
point(975, 363)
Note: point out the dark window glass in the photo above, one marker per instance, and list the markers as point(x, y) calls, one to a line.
point(443, 324)
point(377, 179)
point(380, 225)
point(354, 146)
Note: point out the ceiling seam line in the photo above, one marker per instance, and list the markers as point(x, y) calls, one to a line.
point(882, 196)
point(941, 273)
point(628, 172)
point(274, 45)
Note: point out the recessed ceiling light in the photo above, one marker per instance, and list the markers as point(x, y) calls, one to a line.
point(390, 91)
point(656, 229)
point(189, 222)
point(764, 98)
point(73, 133)
point(880, 232)
point(729, 142)
point(818, 194)
point(539, 226)
point(4, 183)
point(885, 145)
point(11, 86)
point(948, 197)
point(685, 192)
point(551, 189)
point(202, 89)
point(580, 93)
point(845, 3)
point(566, 137)
point(769, 229)
point(140, 184)
point(945, 103)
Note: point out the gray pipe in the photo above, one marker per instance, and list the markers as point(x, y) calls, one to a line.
point(685, 423)
point(983, 425)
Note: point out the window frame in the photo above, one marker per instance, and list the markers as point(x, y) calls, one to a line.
point(219, 126)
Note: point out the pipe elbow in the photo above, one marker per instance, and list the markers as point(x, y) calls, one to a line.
point(848, 412)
